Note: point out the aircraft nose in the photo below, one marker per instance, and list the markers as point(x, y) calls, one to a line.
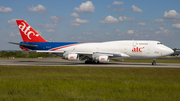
point(168, 51)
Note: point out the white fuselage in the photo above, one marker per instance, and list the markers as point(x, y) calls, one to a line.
point(136, 49)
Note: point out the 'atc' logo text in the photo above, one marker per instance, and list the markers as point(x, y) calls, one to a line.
point(137, 49)
point(26, 30)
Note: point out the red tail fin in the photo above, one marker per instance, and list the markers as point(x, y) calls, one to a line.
point(28, 33)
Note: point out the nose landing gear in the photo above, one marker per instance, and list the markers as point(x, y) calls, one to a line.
point(154, 62)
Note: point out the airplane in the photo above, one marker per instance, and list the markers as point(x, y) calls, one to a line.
point(93, 52)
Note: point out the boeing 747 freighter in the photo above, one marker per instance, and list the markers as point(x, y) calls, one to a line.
point(97, 52)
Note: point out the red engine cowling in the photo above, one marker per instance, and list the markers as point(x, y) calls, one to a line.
point(103, 59)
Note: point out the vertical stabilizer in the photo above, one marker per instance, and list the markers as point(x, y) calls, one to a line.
point(28, 33)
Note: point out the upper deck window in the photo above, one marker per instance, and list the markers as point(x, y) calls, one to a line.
point(143, 43)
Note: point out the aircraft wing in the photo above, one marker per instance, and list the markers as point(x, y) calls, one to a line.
point(70, 52)
point(85, 53)
point(112, 54)
point(44, 51)
point(121, 55)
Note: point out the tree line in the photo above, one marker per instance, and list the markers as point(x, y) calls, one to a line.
point(175, 49)
point(21, 54)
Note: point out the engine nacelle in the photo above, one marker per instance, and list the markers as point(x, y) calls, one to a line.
point(72, 57)
point(103, 59)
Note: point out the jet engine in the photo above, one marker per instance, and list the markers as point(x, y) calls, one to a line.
point(71, 57)
point(103, 59)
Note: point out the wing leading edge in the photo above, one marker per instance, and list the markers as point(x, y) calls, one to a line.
point(85, 53)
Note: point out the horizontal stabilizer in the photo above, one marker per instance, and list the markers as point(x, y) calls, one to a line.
point(27, 45)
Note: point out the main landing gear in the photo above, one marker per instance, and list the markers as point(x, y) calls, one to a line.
point(91, 62)
point(154, 62)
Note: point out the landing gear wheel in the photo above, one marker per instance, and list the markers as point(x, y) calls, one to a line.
point(86, 62)
point(90, 62)
point(154, 62)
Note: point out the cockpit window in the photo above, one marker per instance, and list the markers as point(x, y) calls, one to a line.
point(159, 43)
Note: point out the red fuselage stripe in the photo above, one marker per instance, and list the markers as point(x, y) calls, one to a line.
point(65, 46)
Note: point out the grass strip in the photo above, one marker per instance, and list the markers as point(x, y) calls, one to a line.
point(62, 83)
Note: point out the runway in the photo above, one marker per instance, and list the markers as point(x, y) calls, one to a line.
point(61, 62)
